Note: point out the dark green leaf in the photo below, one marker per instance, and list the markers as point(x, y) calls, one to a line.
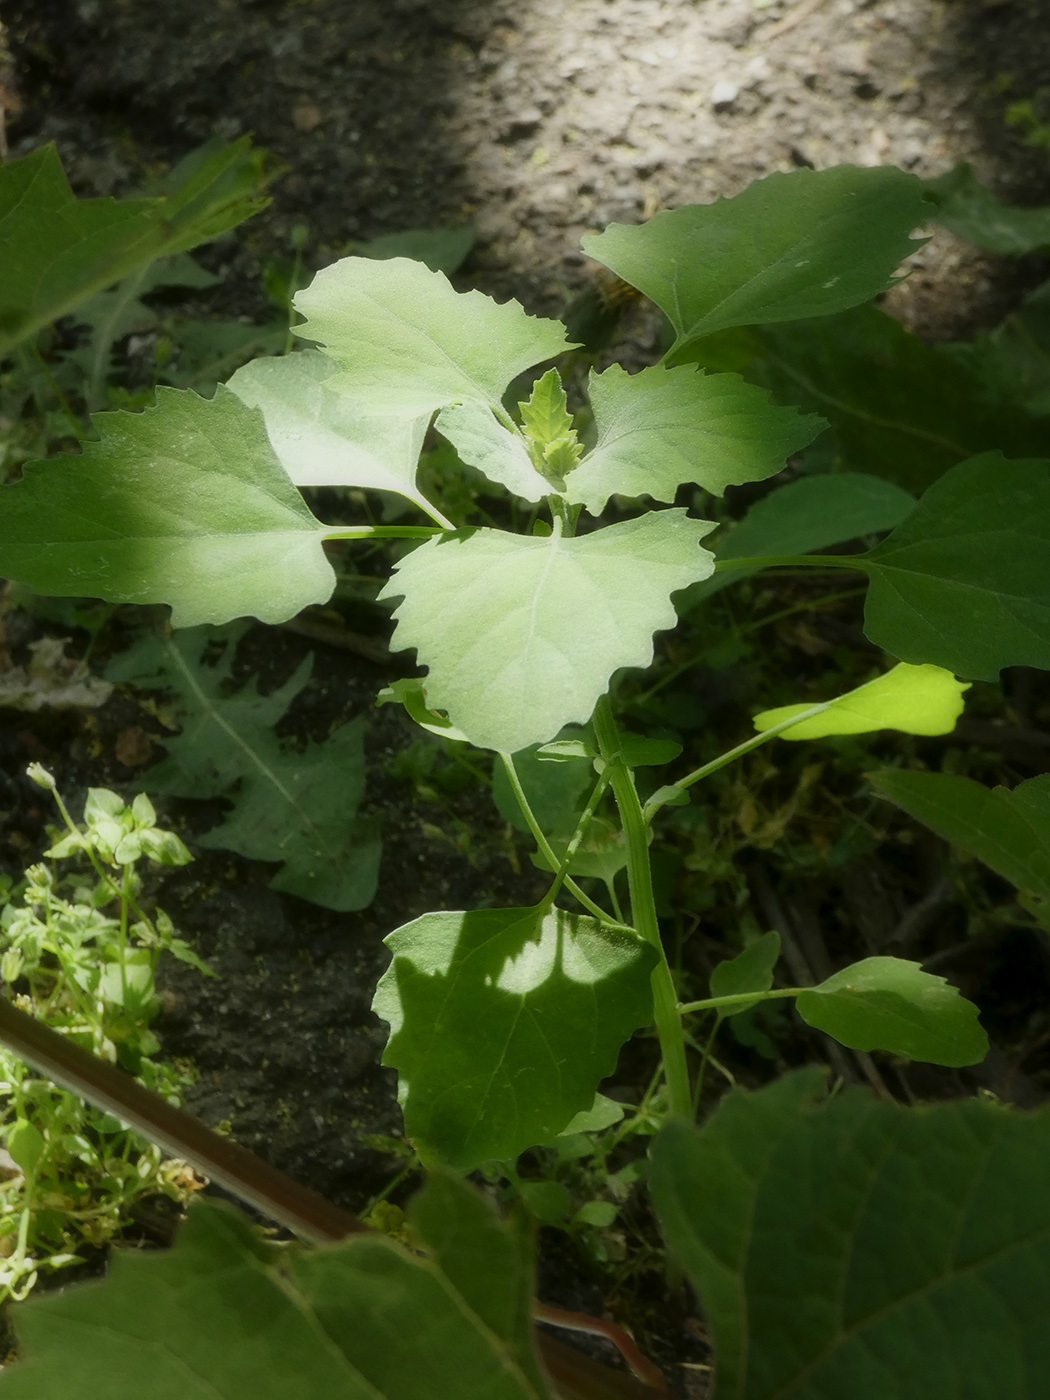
point(860, 1250)
point(891, 1004)
point(1010, 831)
point(807, 243)
point(184, 504)
point(970, 209)
point(556, 791)
point(749, 971)
point(502, 1024)
point(964, 581)
point(222, 1316)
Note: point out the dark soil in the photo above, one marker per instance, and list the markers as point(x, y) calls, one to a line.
point(534, 123)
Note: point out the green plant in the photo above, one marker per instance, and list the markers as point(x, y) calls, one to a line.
point(504, 1022)
point(80, 953)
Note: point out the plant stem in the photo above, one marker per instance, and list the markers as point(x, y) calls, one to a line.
point(651, 808)
point(577, 836)
point(541, 840)
point(643, 912)
point(739, 999)
point(381, 532)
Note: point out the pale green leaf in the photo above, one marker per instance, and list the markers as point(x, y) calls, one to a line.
point(545, 415)
point(406, 343)
point(807, 243)
point(970, 210)
point(503, 1022)
point(323, 438)
point(1008, 830)
point(915, 699)
point(749, 971)
point(296, 807)
point(412, 694)
point(603, 1113)
point(57, 250)
point(861, 1250)
point(522, 633)
point(184, 503)
point(662, 427)
point(485, 443)
point(891, 1004)
point(964, 581)
point(224, 1316)
point(801, 517)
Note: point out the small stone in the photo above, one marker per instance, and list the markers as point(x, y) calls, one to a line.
point(134, 747)
point(307, 117)
point(724, 93)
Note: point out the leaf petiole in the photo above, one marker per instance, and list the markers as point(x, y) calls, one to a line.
point(738, 999)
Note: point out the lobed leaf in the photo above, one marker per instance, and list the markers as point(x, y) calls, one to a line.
point(914, 699)
point(223, 1316)
point(407, 343)
point(807, 243)
point(863, 1249)
point(323, 438)
point(502, 1024)
point(522, 633)
point(1008, 830)
point(662, 427)
point(891, 1004)
point(963, 582)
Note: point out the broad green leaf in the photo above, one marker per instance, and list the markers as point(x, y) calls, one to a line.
point(296, 807)
point(224, 1316)
point(184, 503)
point(322, 438)
point(25, 1144)
point(521, 633)
point(57, 250)
point(440, 249)
point(861, 1250)
point(502, 1024)
point(970, 209)
point(749, 971)
point(485, 443)
point(1008, 830)
point(891, 1004)
point(899, 408)
point(807, 243)
point(662, 427)
point(603, 1113)
point(639, 751)
point(556, 791)
point(801, 517)
point(964, 581)
point(407, 343)
point(915, 699)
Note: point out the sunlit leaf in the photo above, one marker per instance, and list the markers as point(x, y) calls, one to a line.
point(857, 1248)
point(184, 503)
point(521, 633)
point(915, 699)
point(807, 243)
point(891, 1004)
point(661, 427)
point(490, 446)
point(502, 1024)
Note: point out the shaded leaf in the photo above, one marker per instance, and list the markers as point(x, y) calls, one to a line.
point(807, 243)
point(502, 1024)
point(407, 343)
point(555, 790)
point(300, 808)
point(485, 443)
point(859, 1248)
point(970, 210)
point(440, 249)
point(184, 503)
point(662, 427)
point(891, 1004)
point(323, 438)
point(964, 581)
point(915, 699)
point(224, 1315)
point(1008, 830)
point(521, 633)
point(749, 971)
point(57, 250)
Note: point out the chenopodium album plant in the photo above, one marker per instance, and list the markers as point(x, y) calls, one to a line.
point(504, 1022)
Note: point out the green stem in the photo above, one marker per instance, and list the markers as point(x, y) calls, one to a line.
point(577, 836)
point(652, 807)
point(739, 999)
point(383, 532)
point(541, 841)
point(793, 561)
point(125, 902)
point(643, 911)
